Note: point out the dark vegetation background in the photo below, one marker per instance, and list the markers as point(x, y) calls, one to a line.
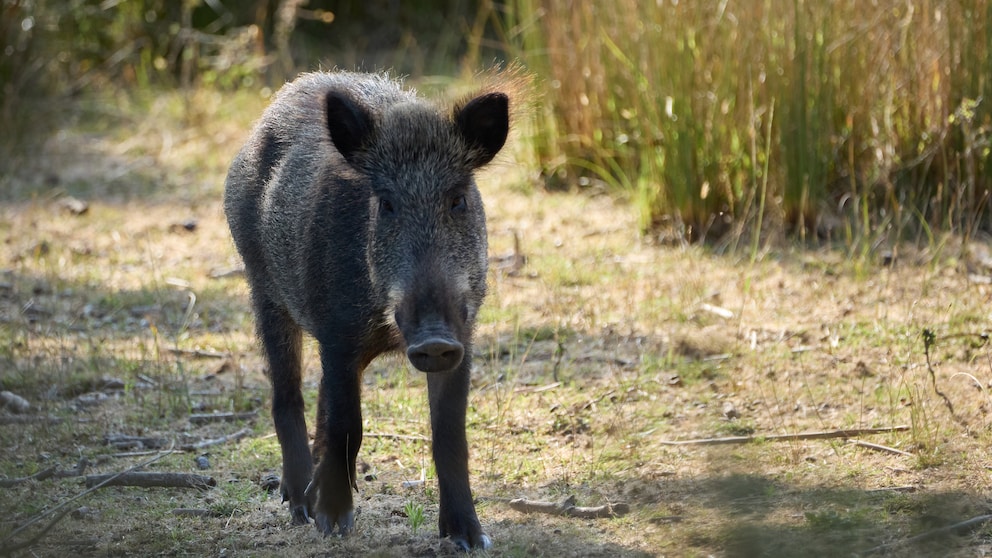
point(857, 123)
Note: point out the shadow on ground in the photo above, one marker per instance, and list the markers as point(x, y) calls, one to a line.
point(754, 514)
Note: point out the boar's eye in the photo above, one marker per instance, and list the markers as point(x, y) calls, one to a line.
point(385, 207)
point(458, 204)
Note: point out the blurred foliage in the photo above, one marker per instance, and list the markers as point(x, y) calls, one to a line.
point(71, 43)
point(55, 51)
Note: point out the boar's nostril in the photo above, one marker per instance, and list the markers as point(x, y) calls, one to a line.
point(436, 354)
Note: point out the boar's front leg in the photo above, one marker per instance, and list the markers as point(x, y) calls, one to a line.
point(339, 436)
point(281, 338)
point(448, 394)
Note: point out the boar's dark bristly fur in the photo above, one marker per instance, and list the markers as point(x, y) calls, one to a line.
point(354, 207)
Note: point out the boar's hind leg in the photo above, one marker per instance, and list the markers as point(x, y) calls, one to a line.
point(281, 338)
point(448, 394)
point(339, 436)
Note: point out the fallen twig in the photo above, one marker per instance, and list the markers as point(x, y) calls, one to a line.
point(40, 475)
point(147, 379)
point(536, 389)
point(961, 528)
point(929, 339)
point(717, 311)
point(663, 519)
point(879, 447)
point(193, 512)
point(199, 353)
point(904, 488)
point(29, 419)
point(135, 442)
point(217, 441)
point(48, 473)
point(138, 453)
point(76, 471)
point(150, 479)
point(848, 433)
point(388, 436)
point(6, 545)
point(568, 508)
point(204, 418)
point(233, 271)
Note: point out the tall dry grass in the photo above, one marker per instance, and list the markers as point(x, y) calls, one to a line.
point(848, 119)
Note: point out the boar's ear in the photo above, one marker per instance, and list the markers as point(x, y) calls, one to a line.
point(349, 123)
point(484, 122)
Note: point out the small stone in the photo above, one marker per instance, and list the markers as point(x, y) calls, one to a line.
point(188, 225)
point(110, 383)
point(730, 411)
point(91, 399)
point(83, 512)
point(13, 402)
point(270, 482)
point(73, 205)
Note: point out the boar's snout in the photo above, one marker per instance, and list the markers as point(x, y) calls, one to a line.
point(432, 316)
point(436, 354)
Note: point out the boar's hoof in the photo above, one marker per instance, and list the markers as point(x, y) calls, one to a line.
point(300, 514)
point(485, 543)
point(344, 523)
point(436, 354)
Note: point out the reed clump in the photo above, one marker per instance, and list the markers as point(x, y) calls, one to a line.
point(835, 119)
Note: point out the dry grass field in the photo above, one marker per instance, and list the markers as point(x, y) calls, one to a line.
point(122, 315)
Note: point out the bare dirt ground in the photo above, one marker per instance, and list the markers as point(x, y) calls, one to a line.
point(597, 351)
